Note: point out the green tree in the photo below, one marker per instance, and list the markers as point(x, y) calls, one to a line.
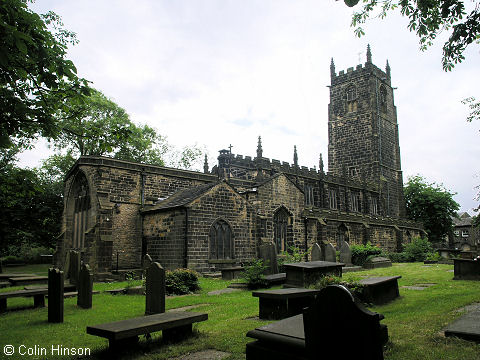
point(432, 205)
point(35, 75)
point(427, 18)
point(98, 126)
point(31, 209)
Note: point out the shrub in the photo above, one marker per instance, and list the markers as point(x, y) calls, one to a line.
point(433, 256)
point(26, 253)
point(418, 249)
point(398, 257)
point(253, 275)
point(362, 253)
point(181, 282)
point(324, 281)
point(292, 255)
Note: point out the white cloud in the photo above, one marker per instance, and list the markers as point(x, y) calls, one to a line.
point(216, 72)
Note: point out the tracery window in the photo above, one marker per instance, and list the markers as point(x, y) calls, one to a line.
point(280, 228)
point(309, 199)
point(332, 199)
point(221, 244)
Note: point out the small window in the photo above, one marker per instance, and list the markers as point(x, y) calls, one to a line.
point(456, 233)
point(332, 199)
point(355, 202)
point(374, 206)
point(464, 233)
point(308, 189)
point(353, 172)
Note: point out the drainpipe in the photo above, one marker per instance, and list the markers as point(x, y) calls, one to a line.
point(185, 254)
point(306, 239)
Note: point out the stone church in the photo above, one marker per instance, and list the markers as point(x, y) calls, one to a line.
point(117, 211)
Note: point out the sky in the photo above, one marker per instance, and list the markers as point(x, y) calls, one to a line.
point(222, 72)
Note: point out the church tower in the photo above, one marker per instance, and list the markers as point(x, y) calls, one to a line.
point(363, 132)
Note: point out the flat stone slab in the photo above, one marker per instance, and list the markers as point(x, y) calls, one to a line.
point(414, 287)
point(276, 279)
point(6, 276)
point(223, 291)
point(288, 293)
point(185, 308)
point(418, 286)
point(15, 281)
point(466, 327)
point(204, 355)
point(351, 268)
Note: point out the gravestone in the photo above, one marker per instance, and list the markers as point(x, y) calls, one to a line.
point(85, 287)
point(330, 253)
point(335, 316)
point(268, 254)
point(155, 290)
point(74, 267)
point(55, 295)
point(317, 254)
point(345, 254)
point(147, 261)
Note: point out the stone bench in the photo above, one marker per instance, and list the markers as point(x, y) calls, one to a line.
point(335, 326)
point(26, 280)
point(380, 290)
point(234, 272)
point(174, 326)
point(37, 294)
point(283, 303)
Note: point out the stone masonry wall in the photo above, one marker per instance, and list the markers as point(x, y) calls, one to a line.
point(278, 192)
point(220, 202)
point(164, 233)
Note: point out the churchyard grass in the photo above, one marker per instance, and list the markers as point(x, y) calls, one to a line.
point(415, 320)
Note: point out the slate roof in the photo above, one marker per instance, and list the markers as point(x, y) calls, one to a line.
point(463, 219)
point(181, 197)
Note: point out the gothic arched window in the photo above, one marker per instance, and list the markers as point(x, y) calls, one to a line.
point(81, 210)
point(221, 244)
point(280, 227)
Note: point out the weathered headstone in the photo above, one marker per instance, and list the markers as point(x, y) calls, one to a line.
point(85, 287)
point(317, 254)
point(268, 254)
point(155, 290)
point(330, 253)
point(335, 311)
point(345, 254)
point(74, 267)
point(55, 295)
point(147, 261)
